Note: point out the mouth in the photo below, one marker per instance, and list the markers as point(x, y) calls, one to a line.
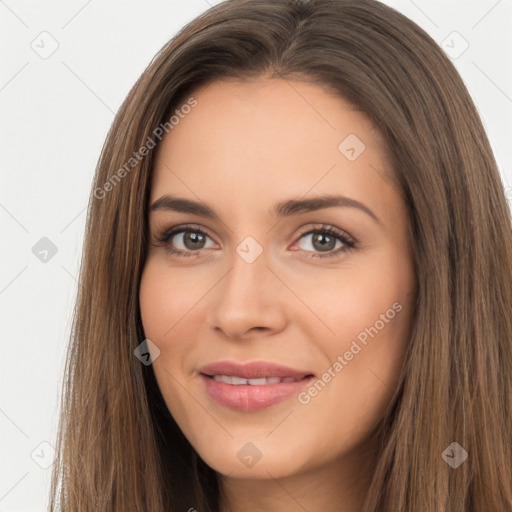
point(252, 386)
point(240, 381)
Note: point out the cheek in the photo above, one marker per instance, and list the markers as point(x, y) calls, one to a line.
point(156, 311)
point(164, 303)
point(362, 366)
point(164, 300)
point(355, 303)
point(172, 305)
point(167, 296)
point(369, 312)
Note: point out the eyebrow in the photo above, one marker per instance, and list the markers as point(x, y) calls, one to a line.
point(283, 209)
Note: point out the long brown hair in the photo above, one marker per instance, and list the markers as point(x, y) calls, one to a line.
point(119, 448)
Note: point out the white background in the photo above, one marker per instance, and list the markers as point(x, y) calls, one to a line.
point(55, 115)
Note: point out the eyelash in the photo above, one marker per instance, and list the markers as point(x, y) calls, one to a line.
point(165, 236)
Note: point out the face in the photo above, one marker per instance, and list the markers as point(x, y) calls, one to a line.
point(281, 321)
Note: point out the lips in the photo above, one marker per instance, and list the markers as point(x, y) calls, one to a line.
point(253, 370)
point(252, 386)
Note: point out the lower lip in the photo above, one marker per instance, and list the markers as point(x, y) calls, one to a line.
point(252, 398)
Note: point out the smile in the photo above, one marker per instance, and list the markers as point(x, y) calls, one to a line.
point(263, 381)
point(252, 386)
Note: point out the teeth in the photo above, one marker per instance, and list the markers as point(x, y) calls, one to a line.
point(223, 378)
point(263, 381)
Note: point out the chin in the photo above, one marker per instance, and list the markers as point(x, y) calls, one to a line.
point(258, 458)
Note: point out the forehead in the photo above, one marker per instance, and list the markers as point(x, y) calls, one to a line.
point(261, 140)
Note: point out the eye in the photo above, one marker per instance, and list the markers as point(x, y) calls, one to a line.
point(189, 239)
point(327, 241)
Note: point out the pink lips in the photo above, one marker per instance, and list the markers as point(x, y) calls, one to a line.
point(256, 395)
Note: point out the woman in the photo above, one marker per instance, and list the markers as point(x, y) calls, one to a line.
point(221, 358)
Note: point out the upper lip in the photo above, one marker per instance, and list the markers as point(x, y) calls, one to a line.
point(252, 370)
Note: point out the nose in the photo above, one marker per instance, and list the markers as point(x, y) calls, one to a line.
point(248, 298)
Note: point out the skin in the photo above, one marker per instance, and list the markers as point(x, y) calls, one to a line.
point(245, 147)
